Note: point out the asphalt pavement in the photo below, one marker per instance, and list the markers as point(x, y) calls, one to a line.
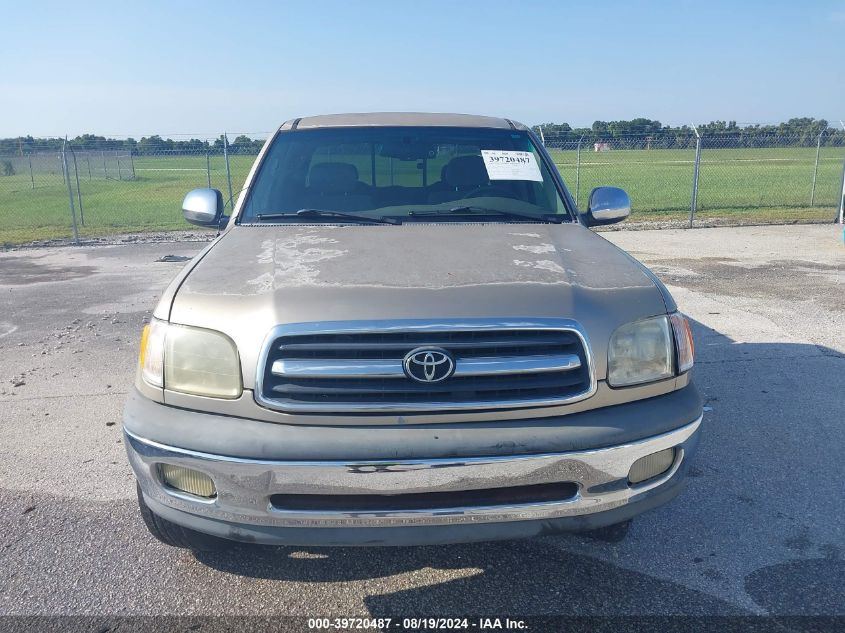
point(759, 530)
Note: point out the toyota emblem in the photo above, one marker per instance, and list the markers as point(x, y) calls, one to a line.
point(428, 364)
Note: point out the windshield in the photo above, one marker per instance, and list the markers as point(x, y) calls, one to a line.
point(403, 174)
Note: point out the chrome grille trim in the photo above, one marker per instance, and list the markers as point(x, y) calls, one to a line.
point(350, 368)
point(338, 368)
point(388, 368)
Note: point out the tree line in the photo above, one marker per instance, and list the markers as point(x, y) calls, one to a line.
point(146, 145)
point(642, 133)
point(639, 133)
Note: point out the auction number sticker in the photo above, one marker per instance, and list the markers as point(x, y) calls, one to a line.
point(511, 165)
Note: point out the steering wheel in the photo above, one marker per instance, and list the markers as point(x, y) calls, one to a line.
point(489, 188)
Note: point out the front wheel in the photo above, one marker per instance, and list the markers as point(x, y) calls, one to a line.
point(175, 535)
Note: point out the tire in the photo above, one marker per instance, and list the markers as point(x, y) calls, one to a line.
point(611, 533)
point(175, 535)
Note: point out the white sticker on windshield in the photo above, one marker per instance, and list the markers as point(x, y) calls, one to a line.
point(511, 165)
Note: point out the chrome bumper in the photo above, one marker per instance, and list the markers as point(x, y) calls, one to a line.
point(244, 486)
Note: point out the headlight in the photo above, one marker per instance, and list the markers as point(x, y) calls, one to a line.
point(640, 352)
point(152, 353)
point(683, 341)
point(190, 360)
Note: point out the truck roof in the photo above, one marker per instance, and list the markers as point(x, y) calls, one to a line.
point(400, 119)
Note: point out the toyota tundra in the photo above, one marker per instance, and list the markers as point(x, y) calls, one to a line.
point(407, 333)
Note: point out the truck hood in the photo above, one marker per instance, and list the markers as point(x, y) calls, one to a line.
point(256, 277)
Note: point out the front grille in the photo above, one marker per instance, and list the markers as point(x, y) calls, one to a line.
point(352, 367)
point(485, 498)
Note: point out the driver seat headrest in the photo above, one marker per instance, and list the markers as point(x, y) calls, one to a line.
point(466, 171)
point(333, 178)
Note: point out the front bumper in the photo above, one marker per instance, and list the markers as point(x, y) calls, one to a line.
point(243, 509)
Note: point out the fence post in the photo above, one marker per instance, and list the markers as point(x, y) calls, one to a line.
point(816, 168)
point(228, 170)
point(105, 168)
point(693, 207)
point(66, 174)
point(88, 161)
point(78, 189)
point(119, 173)
point(132, 163)
point(208, 168)
point(842, 197)
point(842, 188)
point(578, 170)
point(31, 177)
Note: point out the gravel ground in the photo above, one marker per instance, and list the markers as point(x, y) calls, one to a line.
point(758, 531)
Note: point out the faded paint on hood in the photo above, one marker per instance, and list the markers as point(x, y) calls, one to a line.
point(257, 277)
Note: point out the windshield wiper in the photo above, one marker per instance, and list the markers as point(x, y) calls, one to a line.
point(551, 218)
point(473, 210)
point(323, 213)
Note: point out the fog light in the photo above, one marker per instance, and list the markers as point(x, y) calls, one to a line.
point(187, 480)
point(651, 466)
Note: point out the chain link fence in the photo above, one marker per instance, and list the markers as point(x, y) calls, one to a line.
point(727, 179)
point(53, 189)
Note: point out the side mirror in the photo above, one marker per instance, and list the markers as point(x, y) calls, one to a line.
point(203, 207)
point(607, 205)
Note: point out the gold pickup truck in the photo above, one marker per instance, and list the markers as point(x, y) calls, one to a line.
point(406, 333)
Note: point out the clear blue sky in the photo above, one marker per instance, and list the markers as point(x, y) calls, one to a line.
point(140, 68)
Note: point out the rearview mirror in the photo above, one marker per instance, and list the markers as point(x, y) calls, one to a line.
point(607, 205)
point(203, 207)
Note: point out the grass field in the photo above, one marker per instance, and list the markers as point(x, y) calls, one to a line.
point(150, 202)
point(732, 182)
point(742, 185)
